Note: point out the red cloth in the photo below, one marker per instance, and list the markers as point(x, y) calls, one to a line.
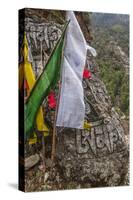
point(51, 100)
point(26, 87)
point(86, 73)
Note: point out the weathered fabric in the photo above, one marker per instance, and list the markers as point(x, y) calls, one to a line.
point(71, 109)
point(92, 50)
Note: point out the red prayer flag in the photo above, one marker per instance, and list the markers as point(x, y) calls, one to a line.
point(86, 73)
point(26, 87)
point(51, 100)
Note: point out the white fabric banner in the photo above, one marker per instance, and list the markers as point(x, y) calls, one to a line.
point(71, 109)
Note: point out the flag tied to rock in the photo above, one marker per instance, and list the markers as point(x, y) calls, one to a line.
point(71, 110)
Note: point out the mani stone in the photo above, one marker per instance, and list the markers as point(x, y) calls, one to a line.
point(99, 156)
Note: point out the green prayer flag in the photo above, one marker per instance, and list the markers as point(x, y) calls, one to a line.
point(44, 83)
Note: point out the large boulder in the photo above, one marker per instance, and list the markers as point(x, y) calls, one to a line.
point(99, 156)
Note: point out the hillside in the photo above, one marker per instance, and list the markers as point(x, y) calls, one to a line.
point(111, 40)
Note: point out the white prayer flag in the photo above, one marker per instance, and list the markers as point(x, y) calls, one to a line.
point(71, 110)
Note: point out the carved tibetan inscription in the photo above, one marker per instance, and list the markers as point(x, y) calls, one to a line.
point(99, 140)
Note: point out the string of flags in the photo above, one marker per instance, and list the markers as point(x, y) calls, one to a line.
point(67, 62)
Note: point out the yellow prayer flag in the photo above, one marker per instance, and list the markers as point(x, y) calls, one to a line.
point(26, 73)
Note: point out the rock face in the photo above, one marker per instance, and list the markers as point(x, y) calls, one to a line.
point(97, 157)
point(120, 55)
point(90, 158)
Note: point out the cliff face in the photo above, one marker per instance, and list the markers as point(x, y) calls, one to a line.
point(89, 158)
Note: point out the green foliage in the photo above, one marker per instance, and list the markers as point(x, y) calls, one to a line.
point(117, 28)
point(117, 84)
point(124, 100)
point(110, 29)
